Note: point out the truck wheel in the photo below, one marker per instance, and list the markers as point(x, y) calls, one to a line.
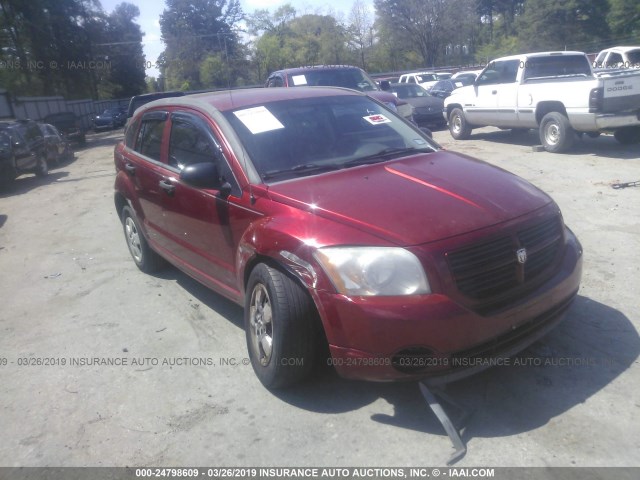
point(280, 326)
point(556, 133)
point(145, 259)
point(627, 135)
point(458, 126)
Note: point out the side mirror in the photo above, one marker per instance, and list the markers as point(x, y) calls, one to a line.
point(385, 85)
point(201, 175)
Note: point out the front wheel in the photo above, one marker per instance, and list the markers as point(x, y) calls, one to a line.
point(458, 126)
point(280, 323)
point(556, 133)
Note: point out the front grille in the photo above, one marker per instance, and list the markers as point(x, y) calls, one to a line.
point(491, 269)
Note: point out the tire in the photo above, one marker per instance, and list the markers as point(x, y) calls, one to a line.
point(143, 256)
point(281, 324)
point(556, 133)
point(42, 167)
point(627, 135)
point(458, 126)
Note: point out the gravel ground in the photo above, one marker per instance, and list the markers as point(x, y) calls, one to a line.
point(71, 293)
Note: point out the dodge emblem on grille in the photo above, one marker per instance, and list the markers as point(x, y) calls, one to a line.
point(522, 255)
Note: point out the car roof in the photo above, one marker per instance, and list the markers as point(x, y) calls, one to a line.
point(295, 70)
point(249, 97)
point(622, 49)
point(541, 54)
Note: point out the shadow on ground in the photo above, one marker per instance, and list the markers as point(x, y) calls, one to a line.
point(592, 347)
point(604, 146)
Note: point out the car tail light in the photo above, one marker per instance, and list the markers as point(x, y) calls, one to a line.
point(595, 100)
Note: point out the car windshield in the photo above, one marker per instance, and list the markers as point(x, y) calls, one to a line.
point(295, 138)
point(409, 90)
point(353, 78)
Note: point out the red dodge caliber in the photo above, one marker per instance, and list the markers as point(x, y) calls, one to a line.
point(334, 221)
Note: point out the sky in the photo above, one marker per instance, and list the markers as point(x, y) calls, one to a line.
point(150, 10)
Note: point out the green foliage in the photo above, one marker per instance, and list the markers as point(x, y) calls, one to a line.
point(195, 31)
point(572, 24)
point(624, 19)
point(70, 48)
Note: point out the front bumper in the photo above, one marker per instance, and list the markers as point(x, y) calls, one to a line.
point(431, 336)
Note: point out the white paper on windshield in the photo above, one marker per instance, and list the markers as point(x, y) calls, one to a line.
point(258, 119)
point(376, 119)
point(299, 80)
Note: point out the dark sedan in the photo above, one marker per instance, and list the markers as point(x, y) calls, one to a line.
point(68, 124)
point(109, 119)
point(56, 146)
point(427, 109)
point(443, 88)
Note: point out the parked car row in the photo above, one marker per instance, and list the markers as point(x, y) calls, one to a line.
point(27, 146)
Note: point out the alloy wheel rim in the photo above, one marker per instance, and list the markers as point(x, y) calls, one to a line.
point(133, 239)
point(261, 324)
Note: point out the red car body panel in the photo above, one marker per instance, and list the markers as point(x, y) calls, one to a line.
point(433, 204)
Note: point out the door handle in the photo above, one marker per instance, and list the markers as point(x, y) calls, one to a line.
point(167, 186)
point(130, 168)
point(494, 92)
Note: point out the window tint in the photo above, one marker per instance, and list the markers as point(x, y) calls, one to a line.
point(189, 144)
point(557, 66)
point(504, 71)
point(614, 60)
point(276, 82)
point(150, 138)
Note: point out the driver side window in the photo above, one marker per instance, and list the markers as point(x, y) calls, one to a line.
point(188, 144)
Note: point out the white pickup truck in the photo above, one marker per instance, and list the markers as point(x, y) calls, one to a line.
point(555, 92)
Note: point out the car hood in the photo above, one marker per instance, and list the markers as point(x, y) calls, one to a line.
point(419, 102)
point(417, 199)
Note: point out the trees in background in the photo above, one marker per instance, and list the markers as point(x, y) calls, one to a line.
point(73, 48)
point(70, 48)
point(202, 47)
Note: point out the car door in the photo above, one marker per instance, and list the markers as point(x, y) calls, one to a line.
point(24, 157)
point(481, 105)
point(507, 92)
point(145, 163)
point(203, 225)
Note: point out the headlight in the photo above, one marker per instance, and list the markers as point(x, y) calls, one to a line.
point(368, 271)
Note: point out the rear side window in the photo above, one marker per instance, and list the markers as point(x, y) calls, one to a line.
point(149, 141)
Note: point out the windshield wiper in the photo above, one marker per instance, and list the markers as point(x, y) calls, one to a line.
point(380, 156)
point(306, 168)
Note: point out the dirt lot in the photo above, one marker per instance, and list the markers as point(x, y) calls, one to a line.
point(70, 293)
